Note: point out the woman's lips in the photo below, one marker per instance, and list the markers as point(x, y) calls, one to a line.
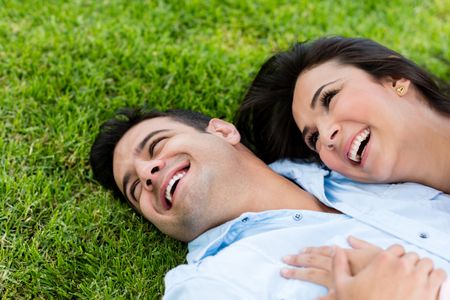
point(358, 145)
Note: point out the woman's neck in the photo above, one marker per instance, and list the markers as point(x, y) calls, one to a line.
point(430, 163)
point(437, 163)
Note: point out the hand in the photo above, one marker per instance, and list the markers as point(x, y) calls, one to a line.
point(317, 261)
point(362, 253)
point(316, 266)
point(388, 276)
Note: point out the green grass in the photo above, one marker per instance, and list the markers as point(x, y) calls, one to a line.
point(65, 66)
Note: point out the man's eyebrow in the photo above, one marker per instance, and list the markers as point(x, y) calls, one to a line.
point(141, 145)
point(317, 93)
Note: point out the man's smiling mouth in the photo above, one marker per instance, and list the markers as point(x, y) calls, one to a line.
point(358, 146)
point(172, 185)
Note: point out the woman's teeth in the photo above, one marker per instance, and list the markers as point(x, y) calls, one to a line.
point(355, 152)
point(172, 181)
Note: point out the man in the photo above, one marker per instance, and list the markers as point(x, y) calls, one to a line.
point(193, 179)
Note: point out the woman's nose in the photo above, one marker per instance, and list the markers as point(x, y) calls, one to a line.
point(330, 136)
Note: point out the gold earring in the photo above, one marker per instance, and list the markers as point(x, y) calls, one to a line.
point(400, 90)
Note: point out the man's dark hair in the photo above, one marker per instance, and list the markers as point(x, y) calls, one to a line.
point(111, 131)
point(265, 118)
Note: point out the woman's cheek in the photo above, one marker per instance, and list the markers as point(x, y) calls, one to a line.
point(332, 161)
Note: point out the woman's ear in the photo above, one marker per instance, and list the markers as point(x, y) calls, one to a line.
point(399, 85)
point(224, 130)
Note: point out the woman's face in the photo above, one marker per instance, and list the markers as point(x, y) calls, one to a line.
point(351, 120)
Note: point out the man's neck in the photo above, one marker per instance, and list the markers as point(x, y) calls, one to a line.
point(270, 191)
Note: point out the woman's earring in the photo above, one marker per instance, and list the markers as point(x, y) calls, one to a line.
point(400, 90)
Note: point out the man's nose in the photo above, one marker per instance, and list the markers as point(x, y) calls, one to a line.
point(149, 172)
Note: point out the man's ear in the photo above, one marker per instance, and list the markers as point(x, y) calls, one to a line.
point(224, 130)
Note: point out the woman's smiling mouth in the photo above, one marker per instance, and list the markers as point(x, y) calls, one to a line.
point(358, 145)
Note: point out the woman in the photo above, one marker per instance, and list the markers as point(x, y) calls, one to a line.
point(362, 109)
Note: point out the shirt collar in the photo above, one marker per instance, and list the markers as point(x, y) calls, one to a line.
point(209, 242)
point(310, 176)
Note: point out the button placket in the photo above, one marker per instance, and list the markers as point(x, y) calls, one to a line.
point(297, 217)
point(424, 235)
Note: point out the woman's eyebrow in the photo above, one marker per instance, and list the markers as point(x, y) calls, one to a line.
point(317, 93)
point(305, 131)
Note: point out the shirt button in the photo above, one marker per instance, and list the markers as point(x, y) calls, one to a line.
point(244, 220)
point(297, 217)
point(424, 235)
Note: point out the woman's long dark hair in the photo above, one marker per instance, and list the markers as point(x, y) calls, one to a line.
point(265, 119)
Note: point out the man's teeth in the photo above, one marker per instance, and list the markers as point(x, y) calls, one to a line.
point(172, 181)
point(353, 153)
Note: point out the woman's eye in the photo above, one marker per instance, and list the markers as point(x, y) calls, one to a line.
point(327, 96)
point(312, 140)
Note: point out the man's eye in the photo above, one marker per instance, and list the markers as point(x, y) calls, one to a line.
point(134, 190)
point(327, 96)
point(154, 144)
point(312, 140)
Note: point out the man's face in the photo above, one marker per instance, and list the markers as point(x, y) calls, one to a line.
point(175, 175)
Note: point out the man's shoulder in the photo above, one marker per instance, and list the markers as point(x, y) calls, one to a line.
point(300, 166)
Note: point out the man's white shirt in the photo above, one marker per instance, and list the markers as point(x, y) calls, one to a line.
point(241, 259)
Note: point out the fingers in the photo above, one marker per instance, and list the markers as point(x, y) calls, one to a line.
point(323, 250)
point(316, 263)
point(310, 260)
point(411, 258)
point(436, 278)
point(341, 267)
point(391, 274)
point(313, 275)
point(425, 265)
point(396, 250)
point(356, 243)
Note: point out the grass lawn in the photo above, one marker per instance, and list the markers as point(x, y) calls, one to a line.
point(65, 66)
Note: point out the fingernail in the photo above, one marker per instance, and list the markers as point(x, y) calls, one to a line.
point(285, 272)
point(287, 258)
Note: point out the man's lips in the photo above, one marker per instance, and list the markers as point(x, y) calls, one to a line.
point(175, 175)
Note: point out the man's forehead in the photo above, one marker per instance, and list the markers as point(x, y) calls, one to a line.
point(141, 130)
point(154, 124)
